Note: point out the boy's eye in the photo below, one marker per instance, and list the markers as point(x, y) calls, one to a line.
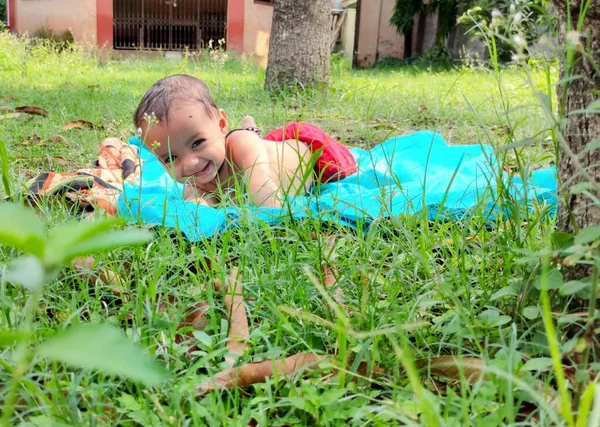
point(197, 143)
point(170, 159)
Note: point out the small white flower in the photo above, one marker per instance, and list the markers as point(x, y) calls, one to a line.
point(139, 131)
point(573, 37)
point(518, 57)
point(496, 14)
point(518, 17)
point(512, 8)
point(519, 41)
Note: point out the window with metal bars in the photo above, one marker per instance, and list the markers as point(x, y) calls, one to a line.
point(168, 24)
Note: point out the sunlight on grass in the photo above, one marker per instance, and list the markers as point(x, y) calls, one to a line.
point(438, 288)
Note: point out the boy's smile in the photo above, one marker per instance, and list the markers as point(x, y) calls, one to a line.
point(191, 143)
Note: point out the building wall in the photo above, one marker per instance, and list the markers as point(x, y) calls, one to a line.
point(391, 44)
point(257, 29)
point(58, 15)
point(377, 39)
point(348, 33)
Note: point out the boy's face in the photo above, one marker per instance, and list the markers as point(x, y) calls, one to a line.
point(191, 144)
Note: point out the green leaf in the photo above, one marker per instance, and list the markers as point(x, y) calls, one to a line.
point(20, 228)
point(65, 236)
point(522, 143)
point(502, 320)
point(331, 396)
point(554, 280)
point(581, 187)
point(588, 234)
point(537, 364)
point(108, 241)
point(27, 272)
point(8, 338)
point(594, 144)
point(42, 421)
point(573, 287)
point(593, 108)
point(129, 403)
point(561, 240)
point(204, 339)
point(505, 291)
point(105, 348)
point(531, 312)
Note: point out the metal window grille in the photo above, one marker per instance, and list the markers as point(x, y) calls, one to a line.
point(168, 24)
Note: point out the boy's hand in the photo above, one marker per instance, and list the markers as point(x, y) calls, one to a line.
point(247, 122)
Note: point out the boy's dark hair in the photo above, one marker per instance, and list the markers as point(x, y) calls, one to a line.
point(164, 92)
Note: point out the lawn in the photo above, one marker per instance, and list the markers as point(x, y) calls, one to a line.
point(413, 290)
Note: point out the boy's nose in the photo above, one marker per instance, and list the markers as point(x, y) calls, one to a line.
point(189, 165)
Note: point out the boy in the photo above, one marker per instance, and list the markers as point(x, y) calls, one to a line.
point(191, 138)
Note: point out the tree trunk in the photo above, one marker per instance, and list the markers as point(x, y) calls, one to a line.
point(580, 129)
point(299, 49)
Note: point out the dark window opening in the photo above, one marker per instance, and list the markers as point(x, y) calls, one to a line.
point(168, 24)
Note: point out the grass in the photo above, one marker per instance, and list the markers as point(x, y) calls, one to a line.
point(464, 288)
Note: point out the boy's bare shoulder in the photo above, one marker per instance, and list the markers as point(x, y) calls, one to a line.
point(242, 143)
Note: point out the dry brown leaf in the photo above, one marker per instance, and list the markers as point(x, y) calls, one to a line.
point(35, 139)
point(105, 276)
point(195, 317)
point(421, 108)
point(58, 138)
point(253, 373)
point(238, 321)
point(36, 111)
point(61, 161)
point(78, 124)
point(451, 367)
point(10, 116)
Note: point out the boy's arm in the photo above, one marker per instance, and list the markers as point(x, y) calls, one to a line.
point(249, 154)
point(191, 194)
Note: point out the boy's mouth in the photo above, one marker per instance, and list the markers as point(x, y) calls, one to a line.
point(204, 169)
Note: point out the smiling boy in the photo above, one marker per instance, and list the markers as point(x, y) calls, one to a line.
point(190, 135)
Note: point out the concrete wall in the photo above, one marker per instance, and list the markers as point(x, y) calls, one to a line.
point(58, 15)
point(377, 39)
point(348, 29)
point(257, 29)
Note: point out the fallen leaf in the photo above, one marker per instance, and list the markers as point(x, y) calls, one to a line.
point(253, 373)
point(451, 367)
point(5, 108)
point(9, 116)
point(421, 108)
point(93, 86)
point(195, 318)
point(37, 111)
point(58, 138)
point(238, 321)
point(78, 124)
point(35, 139)
point(58, 160)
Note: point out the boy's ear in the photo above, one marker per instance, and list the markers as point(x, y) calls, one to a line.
point(223, 120)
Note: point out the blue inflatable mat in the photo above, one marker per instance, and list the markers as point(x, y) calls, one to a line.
point(399, 176)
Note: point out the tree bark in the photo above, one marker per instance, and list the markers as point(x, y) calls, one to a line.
point(299, 49)
point(580, 129)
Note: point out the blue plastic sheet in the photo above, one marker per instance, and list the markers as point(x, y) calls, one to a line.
point(402, 175)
